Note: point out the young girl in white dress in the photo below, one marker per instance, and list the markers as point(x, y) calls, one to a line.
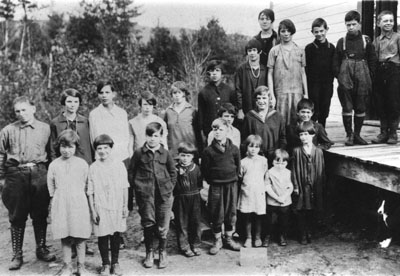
point(108, 198)
point(254, 176)
point(67, 184)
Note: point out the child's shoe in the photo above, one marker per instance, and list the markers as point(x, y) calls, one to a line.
point(257, 242)
point(116, 270)
point(148, 242)
point(358, 140)
point(247, 243)
point(230, 243)
point(282, 240)
point(149, 260)
point(162, 251)
point(196, 251)
point(81, 271)
point(188, 253)
point(266, 241)
point(66, 270)
point(217, 244)
point(105, 270)
point(303, 239)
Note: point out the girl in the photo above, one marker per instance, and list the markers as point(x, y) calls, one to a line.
point(308, 180)
point(180, 118)
point(67, 184)
point(286, 74)
point(108, 198)
point(253, 172)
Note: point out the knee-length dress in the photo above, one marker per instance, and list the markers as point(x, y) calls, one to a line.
point(107, 181)
point(67, 184)
point(252, 189)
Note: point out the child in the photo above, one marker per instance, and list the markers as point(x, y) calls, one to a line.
point(279, 190)
point(356, 60)
point(227, 112)
point(305, 111)
point(220, 167)
point(152, 174)
point(287, 79)
point(253, 173)
point(321, 69)
point(187, 201)
point(267, 123)
point(138, 124)
point(308, 174)
point(67, 184)
point(108, 198)
point(180, 118)
point(267, 36)
point(387, 80)
point(248, 77)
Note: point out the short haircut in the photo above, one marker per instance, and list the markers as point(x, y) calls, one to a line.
point(281, 155)
point(383, 13)
point(101, 84)
point(180, 85)
point(260, 90)
point(253, 140)
point(305, 104)
point(305, 127)
point(148, 97)
point(186, 147)
point(217, 123)
point(319, 22)
point(287, 24)
point(352, 15)
point(103, 139)
point(23, 99)
point(253, 44)
point(153, 127)
point(67, 138)
point(70, 92)
point(268, 13)
point(214, 64)
point(227, 107)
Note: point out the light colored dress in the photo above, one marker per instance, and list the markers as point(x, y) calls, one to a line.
point(254, 172)
point(107, 181)
point(67, 184)
point(288, 82)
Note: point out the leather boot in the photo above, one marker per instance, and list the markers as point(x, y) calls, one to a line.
point(384, 135)
point(282, 240)
point(17, 239)
point(162, 251)
point(148, 242)
point(230, 243)
point(347, 123)
point(358, 123)
point(42, 253)
point(392, 140)
point(217, 244)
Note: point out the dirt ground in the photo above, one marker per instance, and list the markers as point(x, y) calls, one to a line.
point(332, 252)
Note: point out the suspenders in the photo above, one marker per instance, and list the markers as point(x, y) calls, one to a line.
point(344, 46)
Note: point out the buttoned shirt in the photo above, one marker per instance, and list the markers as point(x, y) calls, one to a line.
point(24, 143)
point(387, 47)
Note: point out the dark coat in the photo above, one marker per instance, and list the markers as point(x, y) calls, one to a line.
point(321, 62)
point(189, 180)
point(266, 46)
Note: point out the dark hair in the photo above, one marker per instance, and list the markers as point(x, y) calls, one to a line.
point(23, 99)
point(259, 90)
point(383, 13)
point(101, 84)
point(153, 128)
point(185, 147)
point(227, 107)
point(287, 24)
point(253, 140)
point(281, 154)
point(103, 139)
point(180, 85)
point(148, 97)
point(305, 104)
point(253, 44)
point(352, 15)
point(268, 13)
point(67, 138)
point(70, 92)
point(213, 64)
point(305, 127)
point(319, 22)
point(219, 122)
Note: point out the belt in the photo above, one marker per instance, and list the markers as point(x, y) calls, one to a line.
point(27, 165)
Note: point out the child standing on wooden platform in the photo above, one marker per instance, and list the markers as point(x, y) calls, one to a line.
point(308, 180)
point(67, 183)
point(108, 198)
point(253, 175)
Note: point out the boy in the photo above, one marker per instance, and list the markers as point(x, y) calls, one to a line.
point(321, 68)
point(24, 155)
point(387, 81)
point(356, 60)
point(305, 110)
point(187, 201)
point(248, 77)
point(212, 96)
point(227, 112)
point(152, 174)
point(220, 167)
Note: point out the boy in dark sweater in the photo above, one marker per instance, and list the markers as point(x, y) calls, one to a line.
point(356, 60)
point(321, 69)
point(220, 166)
